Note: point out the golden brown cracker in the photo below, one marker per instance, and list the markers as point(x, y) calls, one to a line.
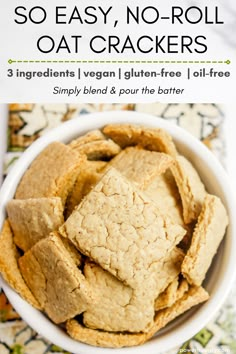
point(121, 308)
point(103, 339)
point(9, 266)
point(154, 139)
point(93, 135)
point(207, 235)
point(55, 280)
point(141, 166)
point(191, 188)
point(171, 294)
point(116, 224)
point(51, 174)
point(193, 297)
point(89, 174)
point(99, 150)
point(33, 219)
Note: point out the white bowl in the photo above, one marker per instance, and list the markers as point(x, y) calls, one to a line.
point(221, 275)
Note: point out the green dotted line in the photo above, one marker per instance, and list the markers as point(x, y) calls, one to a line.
point(11, 61)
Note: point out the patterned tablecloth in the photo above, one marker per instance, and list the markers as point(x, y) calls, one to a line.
point(26, 123)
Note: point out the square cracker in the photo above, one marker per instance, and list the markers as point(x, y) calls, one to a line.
point(193, 297)
point(120, 228)
point(54, 279)
point(121, 307)
point(94, 135)
point(151, 171)
point(9, 266)
point(89, 174)
point(171, 294)
point(208, 234)
point(191, 188)
point(98, 150)
point(133, 309)
point(33, 219)
point(141, 166)
point(51, 174)
point(154, 139)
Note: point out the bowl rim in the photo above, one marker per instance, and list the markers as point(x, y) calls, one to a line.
point(79, 126)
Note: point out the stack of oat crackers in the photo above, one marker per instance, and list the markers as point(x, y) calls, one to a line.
point(112, 234)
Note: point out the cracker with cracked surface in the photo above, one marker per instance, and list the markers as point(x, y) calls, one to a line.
point(98, 150)
point(171, 294)
point(71, 249)
point(192, 297)
point(9, 266)
point(141, 166)
point(208, 233)
point(164, 192)
point(120, 228)
point(150, 170)
point(121, 308)
point(51, 174)
point(134, 310)
point(191, 188)
point(33, 219)
point(94, 135)
point(154, 139)
point(54, 279)
point(89, 175)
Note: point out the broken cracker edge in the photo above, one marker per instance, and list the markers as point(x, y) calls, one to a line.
point(194, 296)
